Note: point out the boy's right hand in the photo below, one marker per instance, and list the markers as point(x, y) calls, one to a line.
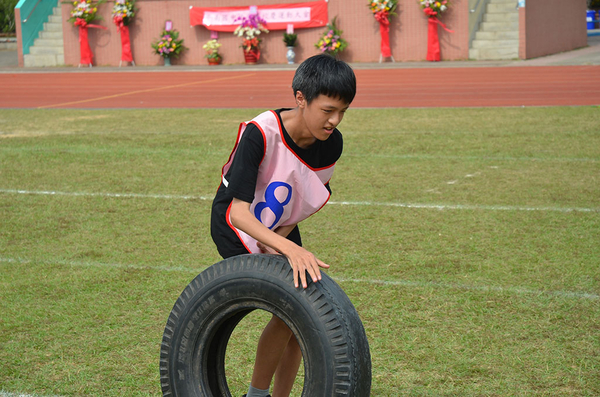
point(303, 261)
point(314, 271)
point(300, 259)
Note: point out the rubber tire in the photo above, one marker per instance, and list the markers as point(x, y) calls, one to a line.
point(337, 361)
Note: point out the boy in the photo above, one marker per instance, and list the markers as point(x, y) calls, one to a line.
point(278, 175)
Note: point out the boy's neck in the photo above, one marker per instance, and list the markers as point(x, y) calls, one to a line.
point(296, 128)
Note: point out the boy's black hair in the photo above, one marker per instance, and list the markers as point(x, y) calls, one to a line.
point(324, 75)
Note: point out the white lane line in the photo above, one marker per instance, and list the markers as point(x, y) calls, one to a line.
point(110, 195)
point(479, 158)
point(349, 203)
point(465, 206)
point(508, 290)
point(61, 262)
point(385, 283)
point(10, 394)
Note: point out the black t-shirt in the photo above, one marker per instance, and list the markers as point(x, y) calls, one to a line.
point(242, 177)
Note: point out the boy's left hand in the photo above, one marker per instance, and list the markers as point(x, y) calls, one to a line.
point(265, 249)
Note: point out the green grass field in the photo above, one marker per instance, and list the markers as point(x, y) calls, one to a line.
point(468, 240)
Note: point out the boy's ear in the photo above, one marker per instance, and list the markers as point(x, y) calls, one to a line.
point(300, 100)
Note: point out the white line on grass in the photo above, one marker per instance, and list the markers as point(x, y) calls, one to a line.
point(385, 283)
point(349, 203)
point(60, 262)
point(9, 394)
point(509, 290)
point(110, 195)
point(482, 158)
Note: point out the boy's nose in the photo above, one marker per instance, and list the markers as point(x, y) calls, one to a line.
point(335, 119)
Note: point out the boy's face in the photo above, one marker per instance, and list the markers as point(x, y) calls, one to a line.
point(323, 114)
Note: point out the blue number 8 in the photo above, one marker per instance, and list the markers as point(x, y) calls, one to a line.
point(272, 203)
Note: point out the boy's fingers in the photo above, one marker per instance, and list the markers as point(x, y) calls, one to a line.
point(295, 276)
point(323, 264)
point(303, 278)
point(315, 273)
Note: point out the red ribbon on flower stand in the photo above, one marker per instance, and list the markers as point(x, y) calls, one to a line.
point(433, 40)
point(125, 41)
point(384, 30)
point(85, 51)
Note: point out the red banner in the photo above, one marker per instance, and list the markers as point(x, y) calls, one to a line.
point(278, 16)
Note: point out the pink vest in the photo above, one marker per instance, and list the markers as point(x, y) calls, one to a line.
point(287, 189)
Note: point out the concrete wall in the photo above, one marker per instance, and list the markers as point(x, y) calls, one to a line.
point(551, 26)
point(408, 33)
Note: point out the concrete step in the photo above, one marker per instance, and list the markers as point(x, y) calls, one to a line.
point(502, 7)
point(499, 26)
point(55, 19)
point(47, 50)
point(513, 2)
point(48, 42)
point(495, 43)
point(501, 17)
point(51, 35)
point(503, 35)
point(494, 53)
point(36, 61)
point(52, 27)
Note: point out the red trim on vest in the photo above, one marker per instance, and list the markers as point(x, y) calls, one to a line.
point(237, 141)
point(227, 218)
point(290, 149)
point(264, 140)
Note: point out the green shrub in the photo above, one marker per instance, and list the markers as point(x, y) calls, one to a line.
point(7, 16)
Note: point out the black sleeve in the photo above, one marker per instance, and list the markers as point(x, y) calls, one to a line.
point(244, 168)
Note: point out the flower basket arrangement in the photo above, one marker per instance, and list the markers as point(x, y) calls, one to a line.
point(122, 14)
point(331, 41)
point(169, 45)
point(82, 14)
point(433, 9)
point(84, 11)
point(250, 28)
point(382, 11)
point(212, 52)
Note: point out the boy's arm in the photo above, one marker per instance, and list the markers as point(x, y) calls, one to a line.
point(282, 231)
point(300, 259)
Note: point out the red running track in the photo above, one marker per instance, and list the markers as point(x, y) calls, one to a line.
point(377, 88)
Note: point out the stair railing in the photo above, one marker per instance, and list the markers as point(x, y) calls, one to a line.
point(37, 14)
point(31, 12)
point(476, 15)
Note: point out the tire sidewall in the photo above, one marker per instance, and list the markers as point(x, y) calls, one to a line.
point(229, 290)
